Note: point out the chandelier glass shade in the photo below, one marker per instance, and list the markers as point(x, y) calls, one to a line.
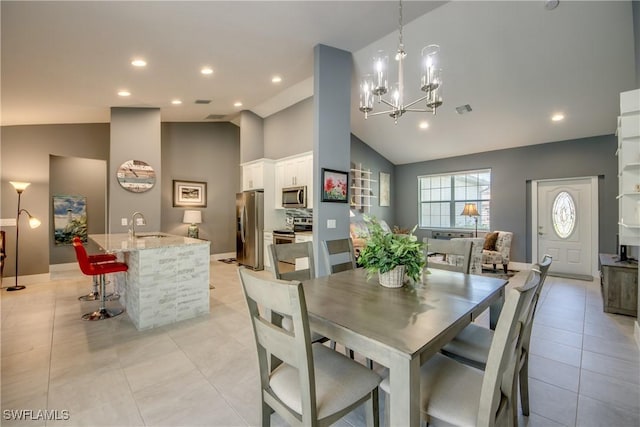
point(374, 86)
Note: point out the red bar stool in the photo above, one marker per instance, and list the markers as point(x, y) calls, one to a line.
point(93, 259)
point(98, 269)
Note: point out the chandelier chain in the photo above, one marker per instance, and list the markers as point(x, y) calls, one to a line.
point(400, 24)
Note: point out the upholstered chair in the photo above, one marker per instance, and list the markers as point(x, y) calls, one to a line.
point(500, 252)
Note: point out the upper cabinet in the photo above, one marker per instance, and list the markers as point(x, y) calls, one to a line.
point(257, 174)
point(629, 168)
point(294, 171)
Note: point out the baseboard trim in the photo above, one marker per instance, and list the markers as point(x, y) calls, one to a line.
point(70, 266)
point(216, 257)
point(572, 276)
point(31, 279)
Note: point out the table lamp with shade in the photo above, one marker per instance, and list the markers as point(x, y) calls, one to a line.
point(33, 223)
point(470, 209)
point(194, 218)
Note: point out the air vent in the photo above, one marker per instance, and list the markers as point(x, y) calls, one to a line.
point(214, 117)
point(203, 101)
point(466, 108)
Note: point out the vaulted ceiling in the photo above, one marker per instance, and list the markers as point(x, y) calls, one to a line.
point(515, 63)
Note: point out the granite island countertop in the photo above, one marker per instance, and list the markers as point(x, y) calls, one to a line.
point(122, 242)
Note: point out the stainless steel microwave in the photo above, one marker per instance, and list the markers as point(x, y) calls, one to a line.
point(294, 197)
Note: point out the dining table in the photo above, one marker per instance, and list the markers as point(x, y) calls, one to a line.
point(400, 328)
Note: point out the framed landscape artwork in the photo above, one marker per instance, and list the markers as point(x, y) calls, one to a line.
point(335, 186)
point(189, 194)
point(69, 219)
point(385, 189)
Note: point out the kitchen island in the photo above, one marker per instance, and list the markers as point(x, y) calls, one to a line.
point(168, 276)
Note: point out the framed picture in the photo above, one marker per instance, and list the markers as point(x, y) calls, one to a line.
point(335, 186)
point(69, 219)
point(385, 192)
point(189, 194)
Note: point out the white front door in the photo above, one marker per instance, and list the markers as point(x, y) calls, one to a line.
point(567, 225)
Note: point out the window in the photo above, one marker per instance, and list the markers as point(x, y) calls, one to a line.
point(442, 198)
point(564, 214)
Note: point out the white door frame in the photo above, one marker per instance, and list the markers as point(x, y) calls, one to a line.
point(595, 244)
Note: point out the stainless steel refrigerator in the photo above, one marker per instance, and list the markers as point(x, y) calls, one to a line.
point(249, 229)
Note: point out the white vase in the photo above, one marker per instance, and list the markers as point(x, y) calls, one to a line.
point(393, 278)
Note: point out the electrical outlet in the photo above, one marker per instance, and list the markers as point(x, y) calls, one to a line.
point(331, 223)
point(124, 222)
point(140, 221)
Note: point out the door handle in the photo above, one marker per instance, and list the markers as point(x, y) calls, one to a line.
point(242, 221)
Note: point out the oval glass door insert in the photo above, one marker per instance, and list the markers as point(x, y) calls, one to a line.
point(563, 214)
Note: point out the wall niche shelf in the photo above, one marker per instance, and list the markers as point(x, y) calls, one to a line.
point(628, 152)
point(361, 191)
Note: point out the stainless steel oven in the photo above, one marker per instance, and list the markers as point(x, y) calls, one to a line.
point(281, 237)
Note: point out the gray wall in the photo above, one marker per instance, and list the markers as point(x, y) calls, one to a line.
point(24, 156)
point(73, 176)
point(331, 139)
point(361, 153)
point(290, 131)
point(511, 173)
point(251, 136)
point(208, 152)
point(135, 135)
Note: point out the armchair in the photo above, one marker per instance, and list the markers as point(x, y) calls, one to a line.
point(499, 252)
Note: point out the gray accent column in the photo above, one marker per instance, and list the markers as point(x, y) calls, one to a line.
point(135, 135)
point(331, 140)
point(251, 136)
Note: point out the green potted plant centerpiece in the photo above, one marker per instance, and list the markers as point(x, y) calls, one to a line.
point(391, 255)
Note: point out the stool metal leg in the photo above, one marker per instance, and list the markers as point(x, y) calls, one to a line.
point(93, 295)
point(103, 312)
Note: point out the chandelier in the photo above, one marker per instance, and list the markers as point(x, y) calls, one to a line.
point(375, 85)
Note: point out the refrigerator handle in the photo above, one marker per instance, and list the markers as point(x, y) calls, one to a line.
point(243, 215)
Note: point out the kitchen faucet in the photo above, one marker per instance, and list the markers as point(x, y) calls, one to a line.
point(132, 230)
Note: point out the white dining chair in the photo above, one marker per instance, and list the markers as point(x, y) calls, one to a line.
point(340, 256)
point(472, 345)
point(452, 393)
point(457, 254)
point(290, 252)
point(306, 384)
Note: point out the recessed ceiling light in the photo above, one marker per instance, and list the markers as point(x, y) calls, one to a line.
point(276, 79)
point(206, 71)
point(124, 93)
point(557, 117)
point(139, 63)
point(423, 125)
point(551, 4)
point(237, 104)
point(176, 102)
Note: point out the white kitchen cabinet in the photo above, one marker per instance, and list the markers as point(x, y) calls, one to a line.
point(629, 168)
point(256, 174)
point(295, 171)
point(268, 240)
point(303, 263)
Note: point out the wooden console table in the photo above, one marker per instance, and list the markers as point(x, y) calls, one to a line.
point(619, 285)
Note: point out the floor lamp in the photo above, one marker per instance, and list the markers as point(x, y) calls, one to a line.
point(470, 209)
point(33, 223)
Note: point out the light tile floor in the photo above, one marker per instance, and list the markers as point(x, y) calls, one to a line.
point(584, 366)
